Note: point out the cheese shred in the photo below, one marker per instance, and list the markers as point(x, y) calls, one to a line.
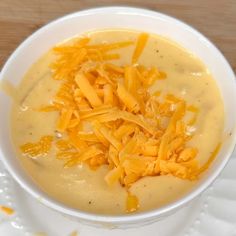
point(7, 210)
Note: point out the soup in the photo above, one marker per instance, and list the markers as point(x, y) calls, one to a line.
point(114, 114)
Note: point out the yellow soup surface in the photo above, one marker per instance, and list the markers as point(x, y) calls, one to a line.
point(85, 189)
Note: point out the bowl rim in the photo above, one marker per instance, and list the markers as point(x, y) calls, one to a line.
point(56, 205)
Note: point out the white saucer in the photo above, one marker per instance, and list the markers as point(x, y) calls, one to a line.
point(212, 214)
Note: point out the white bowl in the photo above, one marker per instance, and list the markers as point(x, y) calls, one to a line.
point(117, 17)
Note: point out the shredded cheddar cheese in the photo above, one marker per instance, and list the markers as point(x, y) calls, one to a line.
point(140, 45)
point(7, 210)
point(131, 203)
point(107, 116)
point(87, 90)
point(39, 148)
point(130, 102)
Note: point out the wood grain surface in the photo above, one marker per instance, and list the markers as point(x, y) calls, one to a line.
point(214, 18)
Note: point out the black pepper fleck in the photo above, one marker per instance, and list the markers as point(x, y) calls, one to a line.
point(90, 202)
point(157, 51)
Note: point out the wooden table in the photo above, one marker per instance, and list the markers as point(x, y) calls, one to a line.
point(215, 19)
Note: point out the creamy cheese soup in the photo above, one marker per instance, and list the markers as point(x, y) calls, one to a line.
point(83, 188)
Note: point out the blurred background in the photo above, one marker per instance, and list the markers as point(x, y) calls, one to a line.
point(215, 19)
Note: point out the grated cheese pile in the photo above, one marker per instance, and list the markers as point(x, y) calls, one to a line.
point(107, 116)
